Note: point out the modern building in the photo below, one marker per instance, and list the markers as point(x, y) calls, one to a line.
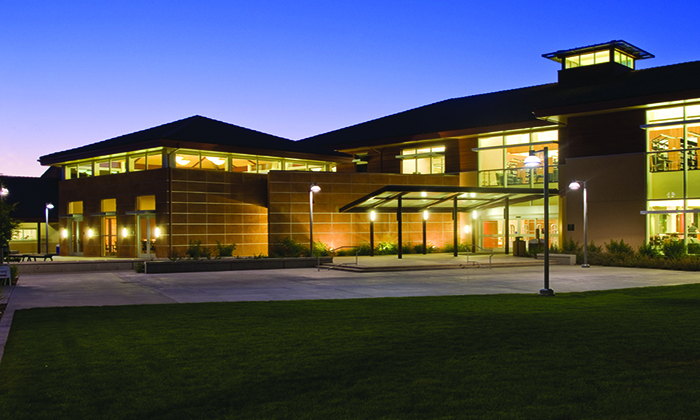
point(450, 172)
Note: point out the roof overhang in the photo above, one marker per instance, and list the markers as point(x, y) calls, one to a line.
point(626, 47)
point(440, 198)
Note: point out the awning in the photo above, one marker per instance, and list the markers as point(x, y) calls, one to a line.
point(440, 198)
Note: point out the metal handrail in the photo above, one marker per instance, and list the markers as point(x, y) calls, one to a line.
point(483, 249)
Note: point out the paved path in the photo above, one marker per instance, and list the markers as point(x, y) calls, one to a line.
point(127, 288)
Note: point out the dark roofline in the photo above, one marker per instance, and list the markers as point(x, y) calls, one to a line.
point(194, 132)
point(630, 49)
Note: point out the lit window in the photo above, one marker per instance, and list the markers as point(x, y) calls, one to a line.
point(75, 207)
point(24, 235)
point(146, 202)
point(426, 160)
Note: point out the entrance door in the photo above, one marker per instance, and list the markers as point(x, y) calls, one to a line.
point(76, 236)
point(109, 240)
point(147, 236)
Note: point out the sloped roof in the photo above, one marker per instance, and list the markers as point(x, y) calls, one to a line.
point(518, 105)
point(192, 130)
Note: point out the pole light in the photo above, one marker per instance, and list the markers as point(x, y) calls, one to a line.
point(575, 185)
point(313, 188)
point(372, 218)
point(49, 206)
point(533, 161)
point(425, 235)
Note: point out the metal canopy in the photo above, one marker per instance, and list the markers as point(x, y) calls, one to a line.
point(440, 198)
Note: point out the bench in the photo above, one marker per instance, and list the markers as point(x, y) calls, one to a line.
point(30, 257)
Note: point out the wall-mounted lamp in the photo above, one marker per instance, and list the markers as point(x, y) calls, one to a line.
point(90, 233)
point(125, 233)
point(64, 233)
point(467, 229)
point(156, 232)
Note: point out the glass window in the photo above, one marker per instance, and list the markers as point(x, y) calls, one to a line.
point(102, 168)
point(587, 59)
point(24, 235)
point(692, 111)
point(137, 163)
point(427, 160)
point(214, 163)
point(294, 166)
point(265, 166)
point(243, 164)
point(75, 207)
point(187, 161)
point(154, 161)
point(109, 205)
point(665, 114)
point(602, 57)
point(84, 170)
point(571, 62)
point(146, 202)
point(117, 166)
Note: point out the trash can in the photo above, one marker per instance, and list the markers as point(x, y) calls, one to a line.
point(58, 249)
point(518, 247)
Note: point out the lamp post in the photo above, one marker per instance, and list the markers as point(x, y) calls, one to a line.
point(4, 192)
point(313, 188)
point(575, 185)
point(49, 206)
point(425, 235)
point(372, 218)
point(532, 161)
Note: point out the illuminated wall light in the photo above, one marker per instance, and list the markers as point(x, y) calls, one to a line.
point(89, 233)
point(156, 232)
point(467, 229)
point(425, 214)
point(125, 233)
point(373, 215)
point(64, 233)
point(475, 215)
point(424, 194)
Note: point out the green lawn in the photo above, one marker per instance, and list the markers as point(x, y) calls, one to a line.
point(625, 354)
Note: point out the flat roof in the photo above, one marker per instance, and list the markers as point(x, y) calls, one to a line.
point(440, 198)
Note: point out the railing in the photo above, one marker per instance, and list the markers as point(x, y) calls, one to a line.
point(476, 263)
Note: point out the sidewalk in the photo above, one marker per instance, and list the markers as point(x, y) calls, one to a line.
point(129, 287)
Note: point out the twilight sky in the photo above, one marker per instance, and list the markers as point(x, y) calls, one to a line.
point(77, 72)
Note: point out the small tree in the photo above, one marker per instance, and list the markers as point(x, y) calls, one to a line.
point(7, 224)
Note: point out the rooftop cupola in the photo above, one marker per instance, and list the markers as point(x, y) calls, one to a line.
point(596, 63)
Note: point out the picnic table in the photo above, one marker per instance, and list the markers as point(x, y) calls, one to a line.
point(30, 257)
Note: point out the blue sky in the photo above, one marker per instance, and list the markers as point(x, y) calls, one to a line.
point(77, 72)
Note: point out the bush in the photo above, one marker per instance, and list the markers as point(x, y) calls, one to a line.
point(693, 248)
point(321, 249)
point(648, 251)
point(195, 250)
point(387, 248)
point(674, 249)
point(619, 249)
point(174, 256)
point(288, 248)
point(224, 250)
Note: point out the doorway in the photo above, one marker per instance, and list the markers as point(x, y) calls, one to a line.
point(147, 235)
point(76, 236)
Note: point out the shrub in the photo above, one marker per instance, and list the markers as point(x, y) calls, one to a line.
point(195, 250)
point(693, 248)
point(321, 249)
point(619, 249)
point(648, 251)
point(362, 249)
point(206, 252)
point(387, 248)
point(224, 250)
point(674, 249)
point(14, 274)
point(140, 267)
point(174, 256)
point(288, 248)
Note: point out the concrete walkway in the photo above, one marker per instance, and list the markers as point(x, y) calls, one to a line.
point(129, 288)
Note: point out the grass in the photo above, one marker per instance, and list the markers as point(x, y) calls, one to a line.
point(625, 354)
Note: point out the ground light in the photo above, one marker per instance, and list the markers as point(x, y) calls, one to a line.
point(49, 206)
point(575, 185)
point(313, 188)
point(532, 161)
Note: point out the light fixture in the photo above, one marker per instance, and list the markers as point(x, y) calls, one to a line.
point(475, 214)
point(467, 229)
point(89, 233)
point(575, 185)
point(125, 233)
point(425, 214)
point(313, 188)
point(372, 218)
point(218, 161)
point(373, 215)
point(425, 232)
point(64, 233)
point(423, 194)
point(49, 206)
point(181, 160)
point(4, 192)
point(156, 232)
point(531, 161)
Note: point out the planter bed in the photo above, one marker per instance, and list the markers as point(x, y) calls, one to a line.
point(231, 264)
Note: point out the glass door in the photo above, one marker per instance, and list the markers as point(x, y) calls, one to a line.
point(76, 236)
point(109, 238)
point(147, 236)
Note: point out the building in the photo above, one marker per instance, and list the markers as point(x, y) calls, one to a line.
point(630, 134)
point(35, 200)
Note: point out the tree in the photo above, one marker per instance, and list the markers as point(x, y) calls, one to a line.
point(7, 223)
